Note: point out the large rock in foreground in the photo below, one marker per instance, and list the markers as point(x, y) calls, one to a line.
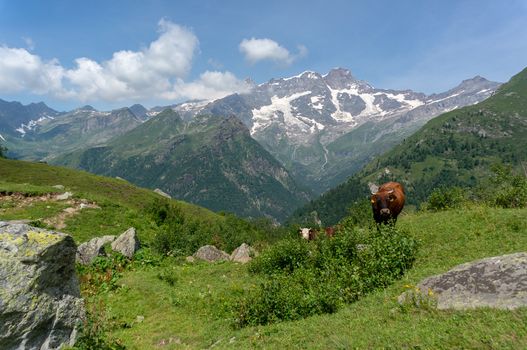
point(497, 282)
point(40, 304)
point(210, 253)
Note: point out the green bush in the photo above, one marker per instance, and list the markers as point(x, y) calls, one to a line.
point(446, 198)
point(507, 190)
point(360, 214)
point(287, 255)
point(307, 278)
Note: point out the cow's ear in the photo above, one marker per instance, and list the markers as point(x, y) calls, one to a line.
point(373, 187)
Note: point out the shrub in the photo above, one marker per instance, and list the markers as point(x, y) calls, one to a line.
point(287, 255)
point(446, 198)
point(360, 214)
point(507, 190)
point(307, 278)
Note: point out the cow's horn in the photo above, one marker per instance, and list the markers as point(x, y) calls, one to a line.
point(391, 191)
point(373, 187)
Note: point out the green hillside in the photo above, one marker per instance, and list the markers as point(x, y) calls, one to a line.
point(210, 161)
point(190, 309)
point(166, 226)
point(159, 301)
point(457, 148)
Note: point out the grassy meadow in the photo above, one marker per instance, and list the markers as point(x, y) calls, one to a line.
point(164, 302)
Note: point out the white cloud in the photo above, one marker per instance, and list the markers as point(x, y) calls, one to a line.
point(210, 85)
point(21, 70)
point(158, 70)
point(256, 50)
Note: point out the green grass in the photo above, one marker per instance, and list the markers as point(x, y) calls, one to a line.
point(122, 204)
point(193, 309)
point(35, 211)
point(25, 189)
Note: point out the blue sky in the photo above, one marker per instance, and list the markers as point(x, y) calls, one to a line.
point(115, 53)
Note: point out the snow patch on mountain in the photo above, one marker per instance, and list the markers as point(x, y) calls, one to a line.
point(401, 97)
point(24, 128)
point(280, 107)
point(1, 137)
point(307, 74)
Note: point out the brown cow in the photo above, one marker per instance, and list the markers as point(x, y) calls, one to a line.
point(387, 202)
point(332, 230)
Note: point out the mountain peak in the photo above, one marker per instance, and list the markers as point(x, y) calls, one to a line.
point(87, 108)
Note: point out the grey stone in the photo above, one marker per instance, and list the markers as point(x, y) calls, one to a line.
point(160, 192)
point(127, 243)
point(88, 251)
point(59, 187)
point(497, 282)
point(40, 304)
point(64, 196)
point(210, 253)
point(190, 259)
point(243, 254)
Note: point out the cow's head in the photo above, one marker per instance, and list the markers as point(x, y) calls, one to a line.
point(381, 202)
point(304, 232)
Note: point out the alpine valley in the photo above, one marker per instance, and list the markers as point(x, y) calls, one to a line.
point(262, 153)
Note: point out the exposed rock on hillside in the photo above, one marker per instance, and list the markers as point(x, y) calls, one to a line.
point(127, 243)
point(497, 282)
point(160, 192)
point(211, 254)
point(88, 251)
point(40, 304)
point(243, 254)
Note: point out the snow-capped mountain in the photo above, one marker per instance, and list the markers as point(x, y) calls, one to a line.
point(297, 119)
point(17, 119)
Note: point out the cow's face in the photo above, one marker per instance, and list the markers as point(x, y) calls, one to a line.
point(304, 232)
point(381, 202)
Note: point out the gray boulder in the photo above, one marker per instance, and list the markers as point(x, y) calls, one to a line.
point(498, 282)
point(210, 253)
point(40, 304)
point(88, 251)
point(127, 243)
point(63, 196)
point(160, 192)
point(243, 254)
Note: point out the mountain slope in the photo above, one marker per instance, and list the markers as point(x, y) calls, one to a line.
point(16, 117)
point(83, 127)
point(210, 161)
point(454, 149)
point(308, 122)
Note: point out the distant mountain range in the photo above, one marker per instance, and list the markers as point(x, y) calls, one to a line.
point(323, 128)
point(210, 161)
point(457, 148)
point(320, 129)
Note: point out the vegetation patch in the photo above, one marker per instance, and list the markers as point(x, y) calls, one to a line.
point(308, 278)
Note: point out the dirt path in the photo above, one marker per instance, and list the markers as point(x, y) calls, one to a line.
point(58, 221)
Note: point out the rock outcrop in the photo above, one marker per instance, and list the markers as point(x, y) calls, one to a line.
point(88, 251)
point(162, 193)
point(243, 254)
point(40, 304)
point(211, 254)
point(498, 282)
point(127, 243)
